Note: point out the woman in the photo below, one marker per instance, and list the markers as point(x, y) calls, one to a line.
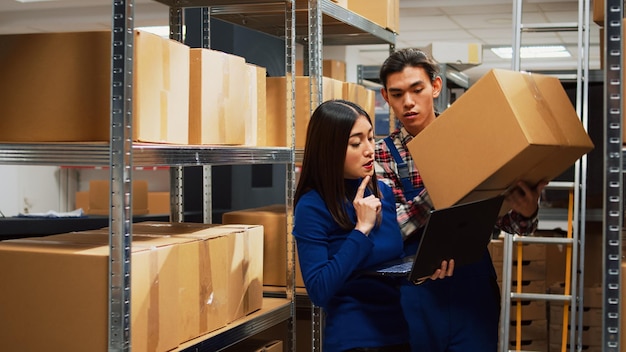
point(345, 222)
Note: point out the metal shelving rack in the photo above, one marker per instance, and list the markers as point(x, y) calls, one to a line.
point(331, 24)
point(122, 154)
point(613, 174)
point(279, 18)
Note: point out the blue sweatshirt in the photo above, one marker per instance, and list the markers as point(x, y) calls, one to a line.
point(361, 310)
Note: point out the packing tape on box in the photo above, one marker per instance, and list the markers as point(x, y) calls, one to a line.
point(164, 113)
point(167, 85)
point(543, 106)
point(154, 314)
point(207, 296)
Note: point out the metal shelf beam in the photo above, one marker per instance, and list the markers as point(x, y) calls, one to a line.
point(142, 154)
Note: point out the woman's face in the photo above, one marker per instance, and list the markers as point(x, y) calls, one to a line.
point(360, 151)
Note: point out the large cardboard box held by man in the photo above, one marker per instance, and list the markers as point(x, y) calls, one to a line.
point(508, 126)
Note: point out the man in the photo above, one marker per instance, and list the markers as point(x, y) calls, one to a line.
point(460, 312)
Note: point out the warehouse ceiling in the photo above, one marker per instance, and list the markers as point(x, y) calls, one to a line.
point(486, 22)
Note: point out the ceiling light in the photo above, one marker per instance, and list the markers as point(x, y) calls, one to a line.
point(533, 52)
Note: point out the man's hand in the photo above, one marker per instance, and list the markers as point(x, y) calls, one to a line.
point(524, 199)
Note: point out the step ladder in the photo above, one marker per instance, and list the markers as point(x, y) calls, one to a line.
point(568, 297)
point(574, 242)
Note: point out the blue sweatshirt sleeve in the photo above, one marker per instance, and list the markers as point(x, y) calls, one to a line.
point(327, 254)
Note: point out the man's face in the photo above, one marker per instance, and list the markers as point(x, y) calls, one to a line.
point(410, 94)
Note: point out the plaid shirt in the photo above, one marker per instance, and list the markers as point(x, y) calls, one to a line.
point(413, 213)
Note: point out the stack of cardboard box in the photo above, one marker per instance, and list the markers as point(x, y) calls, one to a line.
point(273, 218)
point(187, 280)
point(591, 337)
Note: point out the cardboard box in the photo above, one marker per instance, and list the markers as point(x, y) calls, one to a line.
point(591, 316)
point(204, 262)
point(385, 13)
point(256, 121)
point(584, 348)
point(526, 286)
point(359, 94)
point(236, 101)
point(81, 200)
point(277, 108)
point(342, 3)
point(243, 257)
point(67, 96)
point(530, 251)
point(100, 194)
point(59, 288)
point(160, 90)
point(216, 99)
point(334, 69)
point(274, 221)
point(531, 310)
point(592, 295)
point(219, 269)
point(532, 270)
point(205, 294)
point(509, 126)
point(590, 336)
point(158, 202)
point(529, 345)
point(598, 12)
point(531, 330)
point(207, 91)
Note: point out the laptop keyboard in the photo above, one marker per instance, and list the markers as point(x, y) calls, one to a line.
point(400, 268)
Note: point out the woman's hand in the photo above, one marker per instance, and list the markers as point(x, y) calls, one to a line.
point(367, 209)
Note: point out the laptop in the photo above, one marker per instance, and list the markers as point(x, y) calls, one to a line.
point(460, 232)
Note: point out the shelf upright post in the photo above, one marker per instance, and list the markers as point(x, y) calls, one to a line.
point(290, 74)
point(176, 172)
point(613, 176)
point(315, 85)
point(207, 170)
point(120, 162)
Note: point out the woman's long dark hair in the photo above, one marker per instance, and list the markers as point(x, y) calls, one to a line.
point(327, 139)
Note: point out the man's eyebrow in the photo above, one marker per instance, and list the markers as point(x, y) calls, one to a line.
point(413, 85)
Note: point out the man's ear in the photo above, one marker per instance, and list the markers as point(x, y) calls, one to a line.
point(437, 84)
point(383, 92)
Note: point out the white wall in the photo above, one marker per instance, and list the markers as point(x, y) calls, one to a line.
point(30, 189)
point(38, 189)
